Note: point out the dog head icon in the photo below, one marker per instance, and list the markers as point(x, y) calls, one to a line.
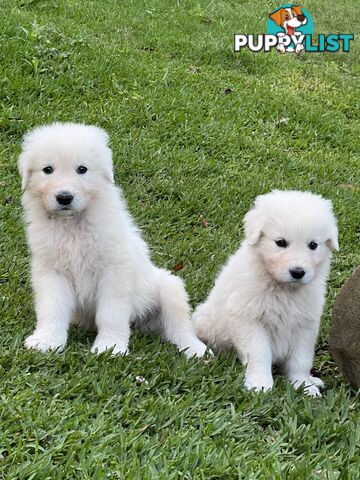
point(289, 18)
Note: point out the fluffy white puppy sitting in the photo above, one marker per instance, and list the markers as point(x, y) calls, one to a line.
point(268, 299)
point(89, 263)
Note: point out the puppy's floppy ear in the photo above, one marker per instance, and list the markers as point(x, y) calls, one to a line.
point(108, 164)
point(297, 9)
point(332, 242)
point(24, 170)
point(103, 138)
point(276, 17)
point(253, 226)
point(25, 157)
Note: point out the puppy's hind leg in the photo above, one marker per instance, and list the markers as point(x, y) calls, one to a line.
point(175, 314)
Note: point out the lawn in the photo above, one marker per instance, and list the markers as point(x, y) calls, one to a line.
point(197, 132)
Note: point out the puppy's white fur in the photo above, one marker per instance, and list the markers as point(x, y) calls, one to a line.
point(257, 307)
point(89, 263)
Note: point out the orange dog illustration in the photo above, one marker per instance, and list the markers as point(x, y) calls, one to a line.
point(289, 19)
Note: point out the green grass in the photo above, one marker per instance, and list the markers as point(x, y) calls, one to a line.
point(191, 159)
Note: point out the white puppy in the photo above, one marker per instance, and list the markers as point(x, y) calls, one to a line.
point(268, 299)
point(89, 263)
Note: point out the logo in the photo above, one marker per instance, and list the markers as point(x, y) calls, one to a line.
point(290, 29)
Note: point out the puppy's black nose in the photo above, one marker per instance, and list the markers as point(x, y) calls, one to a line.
point(301, 18)
point(297, 273)
point(64, 198)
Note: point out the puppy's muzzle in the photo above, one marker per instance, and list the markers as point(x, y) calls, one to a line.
point(64, 198)
point(297, 273)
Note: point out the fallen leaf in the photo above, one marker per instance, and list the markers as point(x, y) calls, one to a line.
point(147, 49)
point(205, 19)
point(206, 361)
point(177, 267)
point(141, 380)
point(349, 186)
point(194, 69)
point(228, 90)
point(204, 222)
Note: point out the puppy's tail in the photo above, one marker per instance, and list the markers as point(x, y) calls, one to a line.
point(175, 314)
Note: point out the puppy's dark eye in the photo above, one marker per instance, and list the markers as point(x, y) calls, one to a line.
point(282, 243)
point(313, 245)
point(48, 170)
point(81, 169)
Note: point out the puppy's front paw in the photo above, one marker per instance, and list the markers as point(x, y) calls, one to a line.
point(312, 391)
point(195, 349)
point(44, 342)
point(258, 383)
point(102, 344)
point(311, 385)
point(317, 381)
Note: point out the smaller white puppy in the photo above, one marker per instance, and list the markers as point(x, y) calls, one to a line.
point(268, 299)
point(90, 265)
